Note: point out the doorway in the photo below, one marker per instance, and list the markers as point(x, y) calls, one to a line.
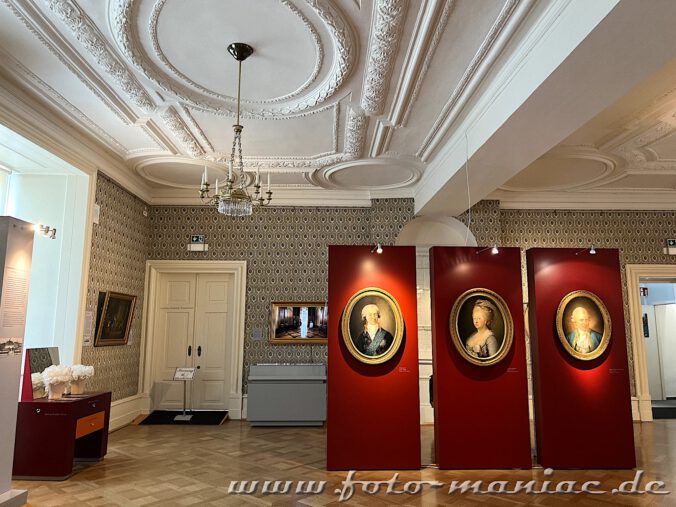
point(658, 304)
point(195, 318)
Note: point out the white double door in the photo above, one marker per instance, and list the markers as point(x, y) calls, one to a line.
point(193, 328)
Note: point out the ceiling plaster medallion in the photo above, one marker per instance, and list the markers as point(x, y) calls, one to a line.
point(362, 174)
point(573, 171)
point(318, 49)
point(124, 19)
point(183, 173)
point(86, 32)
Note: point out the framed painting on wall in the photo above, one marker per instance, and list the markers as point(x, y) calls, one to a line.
point(372, 325)
point(114, 318)
point(583, 325)
point(298, 323)
point(481, 327)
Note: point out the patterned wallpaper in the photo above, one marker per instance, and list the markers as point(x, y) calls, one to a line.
point(119, 250)
point(286, 253)
point(639, 235)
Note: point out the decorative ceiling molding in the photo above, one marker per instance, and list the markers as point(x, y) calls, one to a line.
point(427, 32)
point(196, 128)
point(429, 51)
point(124, 14)
point(155, 132)
point(355, 133)
point(384, 41)
point(91, 38)
point(588, 200)
point(74, 114)
point(326, 176)
point(319, 51)
point(506, 24)
point(45, 32)
point(175, 123)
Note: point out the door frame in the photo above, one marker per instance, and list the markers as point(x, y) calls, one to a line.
point(656, 273)
point(153, 271)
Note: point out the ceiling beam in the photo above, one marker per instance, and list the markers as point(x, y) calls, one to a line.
point(578, 58)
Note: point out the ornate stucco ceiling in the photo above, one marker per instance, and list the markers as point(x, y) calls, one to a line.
point(343, 100)
point(340, 95)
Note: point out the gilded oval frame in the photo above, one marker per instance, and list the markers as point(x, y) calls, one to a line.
point(398, 319)
point(607, 325)
point(508, 322)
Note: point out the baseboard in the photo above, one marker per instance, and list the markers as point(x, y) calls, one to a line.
point(14, 498)
point(124, 411)
point(635, 412)
point(244, 407)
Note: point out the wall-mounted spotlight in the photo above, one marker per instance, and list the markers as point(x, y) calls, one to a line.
point(494, 249)
point(592, 251)
point(45, 230)
point(378, 248)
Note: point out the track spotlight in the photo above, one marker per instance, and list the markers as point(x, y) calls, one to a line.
point(377, 249)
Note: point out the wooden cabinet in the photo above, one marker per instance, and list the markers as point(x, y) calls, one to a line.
point(52, 434)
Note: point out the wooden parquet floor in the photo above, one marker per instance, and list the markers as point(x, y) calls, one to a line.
point(194, 465)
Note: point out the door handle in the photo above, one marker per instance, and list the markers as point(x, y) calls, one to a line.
point(199, 351)
point(189, 350)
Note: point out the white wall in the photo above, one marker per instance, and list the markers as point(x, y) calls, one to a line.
point(659, 293)
point(665, 320)
point(652, 355)
point(59, 201)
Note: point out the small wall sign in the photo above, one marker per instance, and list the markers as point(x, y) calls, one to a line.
point(197, 238)
point(184, 374)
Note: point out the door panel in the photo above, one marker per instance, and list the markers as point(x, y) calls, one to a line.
point(212, 334)
point(192, 313)
point(176, 332)
point(177, 290)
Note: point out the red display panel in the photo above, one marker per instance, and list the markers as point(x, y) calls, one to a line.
point(582, 408)
point(481, 412)
point(373, 420)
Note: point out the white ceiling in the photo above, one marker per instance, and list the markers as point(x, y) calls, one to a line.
point(343, 100)
point(626, 153)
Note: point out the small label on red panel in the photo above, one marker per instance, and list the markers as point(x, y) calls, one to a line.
point(404, 369)
point(512, 370)
point(615, 370)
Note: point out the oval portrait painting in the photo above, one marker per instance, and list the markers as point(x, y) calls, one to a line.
point(583, 325)
point(372, 325)
point(481, 327)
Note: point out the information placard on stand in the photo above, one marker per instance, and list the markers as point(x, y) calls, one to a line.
point(184, 374)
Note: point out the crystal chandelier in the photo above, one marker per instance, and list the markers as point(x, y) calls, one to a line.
point(234, 200)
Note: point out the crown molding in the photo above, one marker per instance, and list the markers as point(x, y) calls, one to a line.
point(34, 83)
point(27, 114)
point(50, 37)
point(652, 200)
point(293, 195)
point(86, 32)
point(430, 24)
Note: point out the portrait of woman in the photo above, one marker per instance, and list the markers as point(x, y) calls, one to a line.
point(583, 325)
point(372, 325)
point(481, 327)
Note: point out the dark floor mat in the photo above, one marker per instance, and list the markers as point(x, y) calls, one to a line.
point(203, 417)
